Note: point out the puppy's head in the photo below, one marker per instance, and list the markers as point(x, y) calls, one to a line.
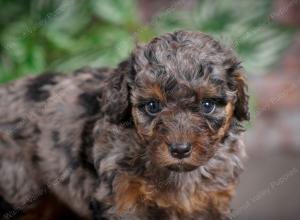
point(186, 91)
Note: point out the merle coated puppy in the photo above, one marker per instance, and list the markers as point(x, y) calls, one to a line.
point(156, 138)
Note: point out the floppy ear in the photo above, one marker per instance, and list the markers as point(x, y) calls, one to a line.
point(238, 84)
point(115, 96)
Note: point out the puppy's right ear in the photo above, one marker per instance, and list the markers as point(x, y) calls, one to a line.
point(115, 96)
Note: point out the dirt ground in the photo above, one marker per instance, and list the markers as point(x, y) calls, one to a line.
point(269, 189)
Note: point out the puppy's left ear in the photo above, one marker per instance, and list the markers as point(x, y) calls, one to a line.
point(238, 84)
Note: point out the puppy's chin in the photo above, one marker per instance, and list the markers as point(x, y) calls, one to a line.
point(181, 167)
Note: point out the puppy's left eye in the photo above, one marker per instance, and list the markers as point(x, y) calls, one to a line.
point(152, 107)
point(208, 106)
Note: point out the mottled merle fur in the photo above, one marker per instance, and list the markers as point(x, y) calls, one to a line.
point(87, 139)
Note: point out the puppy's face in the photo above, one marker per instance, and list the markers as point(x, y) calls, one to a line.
point(185, 94)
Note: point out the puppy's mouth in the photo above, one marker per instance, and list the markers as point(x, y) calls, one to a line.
point(181, 167)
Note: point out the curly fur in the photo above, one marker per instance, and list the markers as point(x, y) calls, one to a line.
point(86, 138)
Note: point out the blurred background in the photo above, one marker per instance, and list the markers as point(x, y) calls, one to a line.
point(63, 35)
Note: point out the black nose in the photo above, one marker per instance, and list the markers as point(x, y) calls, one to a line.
point(180, 150)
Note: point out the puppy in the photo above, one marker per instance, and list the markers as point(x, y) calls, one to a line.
point(156, 138)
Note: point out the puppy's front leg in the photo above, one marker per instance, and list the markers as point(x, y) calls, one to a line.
point(112, 152)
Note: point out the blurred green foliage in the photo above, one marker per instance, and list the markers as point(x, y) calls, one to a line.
point(62, 35)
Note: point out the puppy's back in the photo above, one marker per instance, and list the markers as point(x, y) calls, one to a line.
point(32, 98)
point(42, 114)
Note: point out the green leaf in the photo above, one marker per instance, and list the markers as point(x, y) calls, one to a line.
point(118, 12)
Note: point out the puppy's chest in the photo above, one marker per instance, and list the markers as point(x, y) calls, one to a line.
point(135, 195)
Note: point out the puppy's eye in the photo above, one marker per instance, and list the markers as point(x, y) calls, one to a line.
point(152, 107)
point(208, 106)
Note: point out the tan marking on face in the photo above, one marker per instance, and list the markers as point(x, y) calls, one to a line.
point(156, 92)
point(206, 91)
point(229, 113)
point(138, 119)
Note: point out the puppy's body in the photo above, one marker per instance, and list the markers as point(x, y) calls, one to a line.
point(88, 138)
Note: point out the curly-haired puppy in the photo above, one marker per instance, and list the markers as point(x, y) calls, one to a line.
point(156, 138)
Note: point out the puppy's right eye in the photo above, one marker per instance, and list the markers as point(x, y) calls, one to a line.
point(208, 106)
point(152, 107)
